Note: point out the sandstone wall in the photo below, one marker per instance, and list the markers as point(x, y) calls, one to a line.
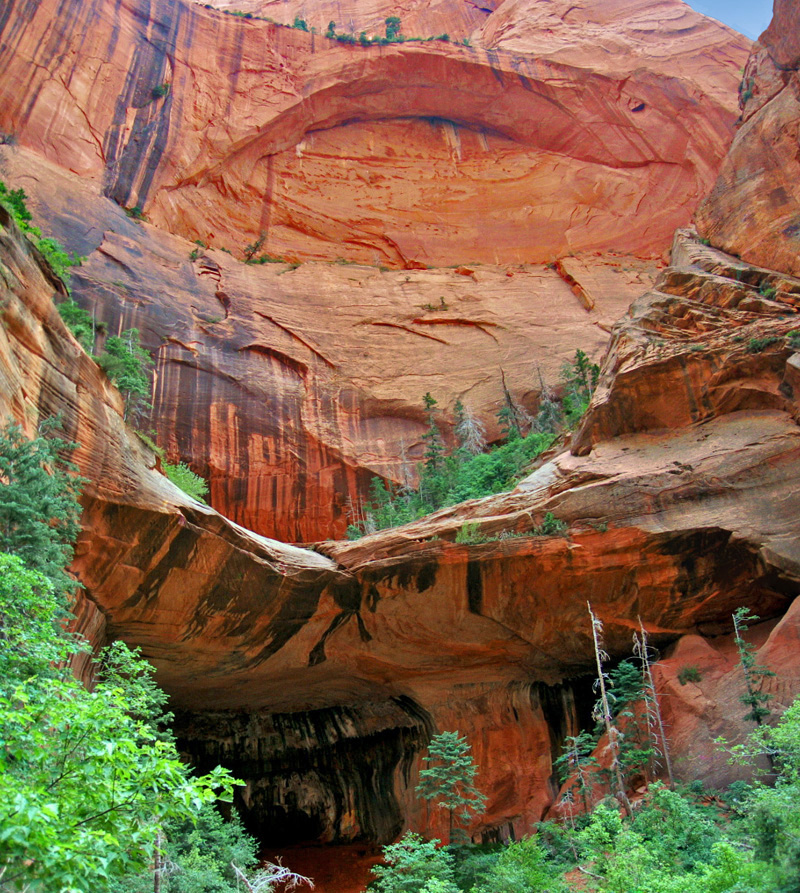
point(754, 208)
point(421, 153)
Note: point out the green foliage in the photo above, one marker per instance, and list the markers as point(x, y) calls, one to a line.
point(183, 476)
point(756, 345)
point(689, 674)
point(198, 856)
point(300, 24)
point(59, 259)
point(251, 250)
point(160, 91)
point(580, 379)
point(84, 782)
point(87, 778)
point(39, 509)
point(15, 201)
point(79, 322)
point(392, 27)
point(469, 532)
point(578, 765)
point(414, 865)
point(449, 778)
point(550, 526)
point(135, 213)
point(127, 364)
point(522, 867)
point(754, 697)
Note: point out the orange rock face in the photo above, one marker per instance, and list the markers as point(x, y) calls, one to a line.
point(319, 678)
point(223, 128)
point(754, 207)
point(288, 389)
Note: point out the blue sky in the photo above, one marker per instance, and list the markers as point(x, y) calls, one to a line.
point(750, 17)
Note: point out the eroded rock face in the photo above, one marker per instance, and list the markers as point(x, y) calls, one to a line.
point(142, 535)
point(290, 388)
point(301, 656)
point(222, 128)
point(754, 208)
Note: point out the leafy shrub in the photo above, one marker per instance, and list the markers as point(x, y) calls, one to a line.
point(300, 24)
point(160, 91)
point(522, 867)
point(793, 339)
point(470, 533)
point(550, 526)
point(689, 674)
point(59, 259)
point(756, 345)
point(87, 777)
point(183, 476)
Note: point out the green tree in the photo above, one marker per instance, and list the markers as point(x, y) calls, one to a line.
point(79, 322)
point(392, 28)
point(578, 765)
point(127, 364)
point(580, 378)
point(754, 696)
point(39, 509)
point(84, 783)
point(522, 868)
point(432, 483)
point(413, 865)
point(449, 778)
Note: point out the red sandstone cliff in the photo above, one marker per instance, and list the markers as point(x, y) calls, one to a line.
point(754, 208)
point(325, 675)
point(420, 153)
point(319, 677)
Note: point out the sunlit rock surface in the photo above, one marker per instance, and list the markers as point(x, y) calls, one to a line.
point(509, 151)
point(754, 208)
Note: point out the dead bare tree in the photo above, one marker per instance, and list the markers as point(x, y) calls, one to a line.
point(642, 651)
point(269, 876)
point(603, 711)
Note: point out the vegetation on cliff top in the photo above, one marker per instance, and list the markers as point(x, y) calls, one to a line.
point(472, 469)
point(123, 358)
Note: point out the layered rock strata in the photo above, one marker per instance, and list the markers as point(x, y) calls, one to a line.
point(225, 129)
point(285, 661)
point(289, 388)
point(754, 208)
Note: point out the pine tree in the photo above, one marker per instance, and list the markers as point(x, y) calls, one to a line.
point(432, 484)
point(127, 364)
point(449, 777)
point(39, 509)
